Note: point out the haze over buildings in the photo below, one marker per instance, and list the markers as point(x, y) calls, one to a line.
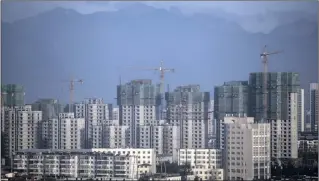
point(124, 122)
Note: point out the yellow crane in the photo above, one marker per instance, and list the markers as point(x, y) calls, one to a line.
point(71, 89)
point(264, 56)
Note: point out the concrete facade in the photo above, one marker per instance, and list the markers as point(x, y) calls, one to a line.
point(247, 149)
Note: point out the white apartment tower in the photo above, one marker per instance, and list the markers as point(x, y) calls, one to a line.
point(211, 122)
point(205, 163)
point(247, 149)
point(22, 129)
point(116, 136)
point(285, 132)
point(72, 133)
point(66, 132)
point(162, 137)
point(51, 133)
point(301, 110)
point(116, 113)
point(151, 137)
point(95, 113)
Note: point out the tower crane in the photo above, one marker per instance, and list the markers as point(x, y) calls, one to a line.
point(71, 89)
point(264, 56)
point(162, 71)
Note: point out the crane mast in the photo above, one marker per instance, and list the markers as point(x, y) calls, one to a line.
point(162, 75)
point(162, 71)
point(71, 89)
point(264, 56)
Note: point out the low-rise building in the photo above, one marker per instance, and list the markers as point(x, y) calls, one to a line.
point(308, 146)
point(146, 158)
point(308, 142)
point(77, 163)
point(205, 163)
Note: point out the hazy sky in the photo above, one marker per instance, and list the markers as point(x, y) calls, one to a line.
point(252, 16)
point(18, 10)
point(211, 50)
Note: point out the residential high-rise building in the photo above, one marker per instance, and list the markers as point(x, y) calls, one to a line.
point(50, 133)
point(22, 129)
point(137, 105)
point(247, 149)
point(12, 95)
point(151, 136)
point(280, 85)
point(161, 136)
point(227, 120)
point(284, 133)
point(211, 122)
point(116, 113)
point(171, 140)
point(308, 125)
point(72, 131)
point(230, 99)
point(187, 107)
point(96, 113)
point(50, 108)
point(301, 111)
point(116, 136)
point(64, 132)
point(314, 106)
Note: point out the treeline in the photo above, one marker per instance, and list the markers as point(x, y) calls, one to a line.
point(306, 164)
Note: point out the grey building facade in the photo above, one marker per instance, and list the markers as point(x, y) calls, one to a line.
point(314, 103)
point(22, 130)
point(231, 98)
point(96, 114)
point(12, 95)
point(188, 108)
point(51, 108)
point(301, 110)
point(137, 105)
point(279, 87)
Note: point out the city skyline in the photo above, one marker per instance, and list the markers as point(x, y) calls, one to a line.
point(85, 94)
point(66, 101)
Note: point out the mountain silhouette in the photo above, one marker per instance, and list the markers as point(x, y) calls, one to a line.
point(41, 51)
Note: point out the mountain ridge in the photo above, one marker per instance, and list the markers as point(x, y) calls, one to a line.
point(141, 8)
point(99, 47)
